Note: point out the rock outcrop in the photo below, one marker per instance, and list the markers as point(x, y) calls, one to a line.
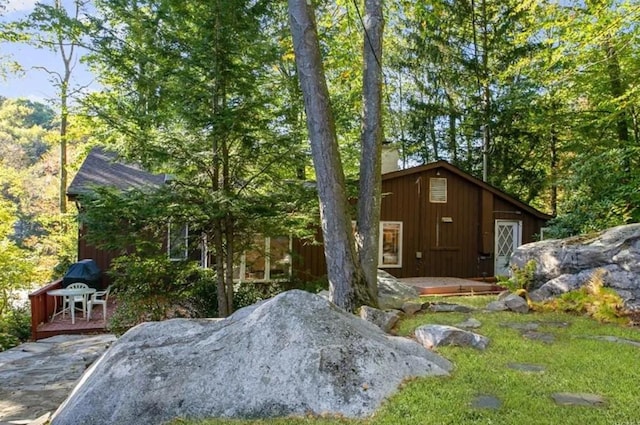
point(385, 320)
point(432, 336)
point(392, 293)
point(563, 265)
point(294, 354)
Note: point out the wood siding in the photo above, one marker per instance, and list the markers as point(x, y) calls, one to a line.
point(102, 258)
point(454, 239)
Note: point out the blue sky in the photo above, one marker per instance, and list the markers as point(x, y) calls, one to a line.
point(33, 84)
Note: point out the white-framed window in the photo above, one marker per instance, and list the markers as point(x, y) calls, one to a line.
point(390, 250)
point(177, 242)
point(438, 190)
point(268, 259)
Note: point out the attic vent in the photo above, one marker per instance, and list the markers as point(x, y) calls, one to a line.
point(438, 190)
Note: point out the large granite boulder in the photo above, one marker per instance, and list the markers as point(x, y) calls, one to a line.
point(563, 265)
point(294, 354)
point(392, 293)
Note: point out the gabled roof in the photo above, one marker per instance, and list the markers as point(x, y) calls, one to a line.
point(103, 168)
point(455, 170)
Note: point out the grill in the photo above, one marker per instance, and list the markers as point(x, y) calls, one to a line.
point(84, 271)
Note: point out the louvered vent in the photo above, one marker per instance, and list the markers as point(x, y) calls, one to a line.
point(438, 190)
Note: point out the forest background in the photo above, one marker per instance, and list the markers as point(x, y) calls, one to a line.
point(540, 98)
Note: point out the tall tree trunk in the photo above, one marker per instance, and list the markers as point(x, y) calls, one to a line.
point(617, 90)
point(453, 146)
point(67, 57)
point(347, 285)
point(369, 197)
point(554, 172)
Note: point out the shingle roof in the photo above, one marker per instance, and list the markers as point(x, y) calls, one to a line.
point(103, 168)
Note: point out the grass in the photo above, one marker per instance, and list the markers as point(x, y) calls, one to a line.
point(573, 363)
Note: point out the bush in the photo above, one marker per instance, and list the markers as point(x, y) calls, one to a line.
point(15, 327)
point(521, 278)
point(247, 293)
point(593, 299)
point(152, 289)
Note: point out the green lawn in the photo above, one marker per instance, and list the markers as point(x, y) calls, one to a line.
point(573, 363)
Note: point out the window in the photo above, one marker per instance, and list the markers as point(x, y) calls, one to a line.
point(268, 259)
point(390, 244)
point(438, 190)
point(177, 242)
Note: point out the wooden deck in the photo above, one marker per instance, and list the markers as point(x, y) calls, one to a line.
point(42, 308)
point(450, 286)
point(62, 325)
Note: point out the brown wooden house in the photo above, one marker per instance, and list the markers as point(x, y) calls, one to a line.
point(437, 220)
point(102, 168)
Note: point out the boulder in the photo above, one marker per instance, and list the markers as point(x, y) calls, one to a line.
point(516, 303)
point(392, 293)
point(293, 354)
point(436, 335)
point(385, 320)
point(563, 265)
point(411, 307)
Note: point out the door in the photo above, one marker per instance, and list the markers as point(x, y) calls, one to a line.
point(508, 238)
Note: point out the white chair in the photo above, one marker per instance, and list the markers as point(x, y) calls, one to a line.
point(99, 297)
point(71, 301)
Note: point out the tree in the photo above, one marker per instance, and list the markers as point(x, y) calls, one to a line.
point(16, 265)
point(188, 95)
point(348, 285)
point(369, 193)
point(53, 27)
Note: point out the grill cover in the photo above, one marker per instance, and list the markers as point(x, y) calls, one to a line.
point(84, 271)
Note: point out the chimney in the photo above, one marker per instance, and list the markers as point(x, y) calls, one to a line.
point(390, 158)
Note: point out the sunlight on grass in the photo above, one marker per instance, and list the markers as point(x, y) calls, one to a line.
point(574, 362)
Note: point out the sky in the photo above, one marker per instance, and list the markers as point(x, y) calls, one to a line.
point(33, 84)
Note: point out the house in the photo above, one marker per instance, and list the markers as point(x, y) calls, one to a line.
point(436, 220)
point(102, 168)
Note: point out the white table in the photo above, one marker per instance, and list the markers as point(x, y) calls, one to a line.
point(70, 293)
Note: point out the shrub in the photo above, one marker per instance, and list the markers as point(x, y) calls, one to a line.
point(521, 278)
point(152, 289)
point(593, 299)
point(247, 293)
point(15, 327)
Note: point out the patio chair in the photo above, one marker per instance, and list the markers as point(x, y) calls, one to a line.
point(71, 301)
point(99, 297)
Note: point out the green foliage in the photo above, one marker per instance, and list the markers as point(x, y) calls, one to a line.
point(521, 278)
point(15, 327)
point(592, 299)
point(247, 293)
point(155, 288)
point(16, 265)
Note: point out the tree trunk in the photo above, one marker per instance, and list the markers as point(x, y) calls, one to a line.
point(347, 285)
point(369, 197)
point(617, 90)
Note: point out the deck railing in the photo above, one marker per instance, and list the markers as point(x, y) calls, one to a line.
point(42, 306)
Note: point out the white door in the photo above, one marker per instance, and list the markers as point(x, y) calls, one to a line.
point(508, 238)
